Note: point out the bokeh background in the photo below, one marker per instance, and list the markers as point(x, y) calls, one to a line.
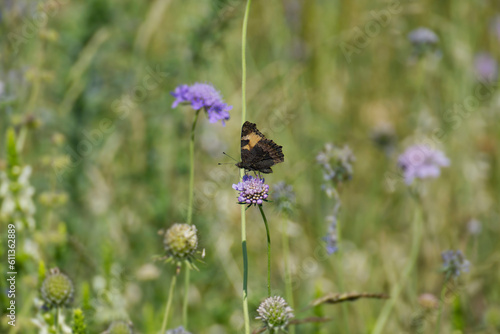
point(109, 157)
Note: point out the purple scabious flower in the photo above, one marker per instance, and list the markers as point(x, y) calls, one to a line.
point(486, 67)
point(422, 162)
point(252, 190)
point(422, 36)
point(454, 263)
point(203, 96)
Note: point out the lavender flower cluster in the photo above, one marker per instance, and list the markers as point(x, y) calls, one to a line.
point(253, 190)
point(203, 95)
point(422, 162)
point(454, 263)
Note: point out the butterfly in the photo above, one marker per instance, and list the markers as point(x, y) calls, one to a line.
point(257, 152)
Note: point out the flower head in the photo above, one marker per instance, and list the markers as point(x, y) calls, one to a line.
point(284, 196)
point(474, 227)
point(203, 95)
point(420, 161)
point(181, 241)
point(119, 327)
point(486, 67)
point(57, 289)
point(337, 166)
point(454, 263)
point(424, 41)
point(423, 35)
point(252, 190)
point(275, 313)
point(428, 301)
point(178, 330)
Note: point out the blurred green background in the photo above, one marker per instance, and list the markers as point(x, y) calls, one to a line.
point(75, 83)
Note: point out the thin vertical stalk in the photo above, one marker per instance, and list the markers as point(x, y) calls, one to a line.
point(57, 320)
point(268, 251)
point(191, 170)
point(246, 317)
point(169, 304)
point(189, 215)
point(187, 272)
point(395, 292)
point(441, 302)
point(288, 273)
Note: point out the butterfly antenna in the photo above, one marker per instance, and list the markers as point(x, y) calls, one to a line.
point(229, 156)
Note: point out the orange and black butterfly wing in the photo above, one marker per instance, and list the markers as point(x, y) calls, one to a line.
point(257, 152)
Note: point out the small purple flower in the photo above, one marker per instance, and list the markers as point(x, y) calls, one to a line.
point(181, 95)
point(252, 190)
point(486, 67)
point(203, 95)
point(454, 263)
point(423, 35)
point(218, 112)
point(421, 161)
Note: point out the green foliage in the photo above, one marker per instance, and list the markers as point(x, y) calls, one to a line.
point(78, 326)
point(88, 73)
point(12, 154)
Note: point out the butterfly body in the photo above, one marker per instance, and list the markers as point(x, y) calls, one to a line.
point(257, 152)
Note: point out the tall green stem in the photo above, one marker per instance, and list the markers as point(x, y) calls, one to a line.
point(191, 170)
point(243, 219)
point(268, 251)
point(288, 273)
point(169, 304)
point(189, 215)
point(187, 272)
point(441, 302)
point(57, 320)
point(417, 240)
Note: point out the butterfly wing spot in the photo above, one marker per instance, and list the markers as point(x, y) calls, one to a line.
point(251, 140)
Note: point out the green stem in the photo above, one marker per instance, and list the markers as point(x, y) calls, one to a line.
point(169, 304)
point(191, 170)
point(441, 299)
point(268, 251)
point(288, 273)
point(57, 320)
point(417, 240)
point(243, 218)
point(187, 272)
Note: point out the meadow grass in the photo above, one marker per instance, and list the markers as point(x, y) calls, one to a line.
point(86, 87)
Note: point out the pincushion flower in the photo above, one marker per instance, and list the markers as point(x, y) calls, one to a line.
point(57, 289)
point(423, 35)
point(181, 241)
point(486, 67)
point(422, 162)
point(203, 96)
point(275, 313)
point(454, 263)
point(253, 190)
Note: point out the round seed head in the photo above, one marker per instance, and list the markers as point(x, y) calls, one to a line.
point(275, 313)
point(57, 288)
point(181, 241)
point(428, 301)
